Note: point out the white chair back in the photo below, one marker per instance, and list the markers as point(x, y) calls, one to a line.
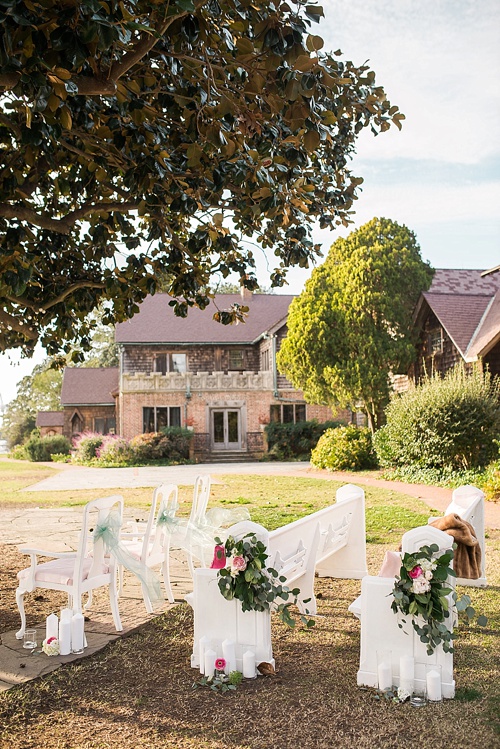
point(165, 501)
point(201, 495)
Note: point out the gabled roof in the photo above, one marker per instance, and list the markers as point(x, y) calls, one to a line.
point(85, 386)
point(50, 419)
point(156, 322)
point(467, 305)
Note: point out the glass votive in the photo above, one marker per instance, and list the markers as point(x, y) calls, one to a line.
point(433, 681)
point(384, 670)
point(419, 695)
point(29, 639)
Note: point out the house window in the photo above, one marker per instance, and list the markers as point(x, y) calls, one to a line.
point(264, 360)
point(105, 425)
point(288, 413)
point(155, 418)
point(165, 363)
point(235, 359)
point(76, 424)
point(435, 341)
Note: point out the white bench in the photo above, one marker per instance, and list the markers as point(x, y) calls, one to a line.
point(468, 502)
point(380, 630)
point(330, 543)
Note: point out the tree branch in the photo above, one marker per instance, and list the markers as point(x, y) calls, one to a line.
point(41, 306)
point(65, 224)
point(17, 325)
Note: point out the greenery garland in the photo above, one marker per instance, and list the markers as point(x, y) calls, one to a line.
point(258, 587)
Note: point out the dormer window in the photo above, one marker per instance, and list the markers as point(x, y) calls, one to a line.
point(435, 342)
point(236, 359)
point(164, 363)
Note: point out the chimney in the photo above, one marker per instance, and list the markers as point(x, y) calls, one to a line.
point(246, 294)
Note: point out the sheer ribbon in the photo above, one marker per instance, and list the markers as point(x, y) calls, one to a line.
point(109, 532)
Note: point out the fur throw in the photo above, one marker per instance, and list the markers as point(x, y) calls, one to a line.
point(467, 556)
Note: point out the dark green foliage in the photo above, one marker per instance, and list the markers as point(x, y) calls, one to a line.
point(352, 325)
point(347, 448)
point(171, 444)
point(449, 423)
point(145, 142)
point(39, 449)
point(295, 441)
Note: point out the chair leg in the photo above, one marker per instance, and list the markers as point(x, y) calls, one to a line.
point(147, 600)
point(20, 605)
point(165, 570)
point(113, 599)
point(89, 600)
point(120, 580)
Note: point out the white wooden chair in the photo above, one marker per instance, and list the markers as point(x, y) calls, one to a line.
point(151, 546)
point(78, 572)
point(193, 542)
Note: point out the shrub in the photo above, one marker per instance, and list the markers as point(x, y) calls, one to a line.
point(344, 448)
point(447, 423)
point(491, 482)
point(113, 450)
point(18, 453)
point(39, 449)
point(86, 446)
point(295, 441)
point(171, 444)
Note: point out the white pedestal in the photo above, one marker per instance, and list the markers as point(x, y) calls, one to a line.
point(219, 620)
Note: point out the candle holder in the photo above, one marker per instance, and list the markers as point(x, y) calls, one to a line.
point(384, 670)
point(419, 696)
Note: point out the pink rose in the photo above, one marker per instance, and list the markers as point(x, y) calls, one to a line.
point(219, 560)
point(415, 572)
point(51, 639)
point(238, 564)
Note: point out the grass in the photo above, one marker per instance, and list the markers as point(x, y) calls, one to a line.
point(137, 692)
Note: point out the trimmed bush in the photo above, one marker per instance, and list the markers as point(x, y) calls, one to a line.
point(86, 446)
point(114, 450)
point(171, 444)
point(448, 423)
point(295, 441)
point(347, 448)
point(39, 449)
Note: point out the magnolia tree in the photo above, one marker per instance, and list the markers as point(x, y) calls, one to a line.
point(352, 325)
point(143, 142)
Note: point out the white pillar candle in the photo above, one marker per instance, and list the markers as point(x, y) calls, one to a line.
point(65, 636)
point(229, 655)
point(51, 626)
point(407, 673)
point(210, 656)
point(203, 645)
point(249, 665)
point(384, 673)
point(434, 686)
point(77, 633)
point(66, 615)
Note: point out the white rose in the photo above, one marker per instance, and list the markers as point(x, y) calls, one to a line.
point(420, 585)
point(428, 575)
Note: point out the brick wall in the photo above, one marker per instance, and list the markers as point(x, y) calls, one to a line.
point(140, 359)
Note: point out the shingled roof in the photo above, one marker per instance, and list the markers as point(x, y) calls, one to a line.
point(156, 322)
point(50, 419)
point(84, 386)
point(467, 304)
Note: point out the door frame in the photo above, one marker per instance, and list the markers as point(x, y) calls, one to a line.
point(226, 445)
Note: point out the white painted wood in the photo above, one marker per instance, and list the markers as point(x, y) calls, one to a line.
point(379, 624)
point(76, 573)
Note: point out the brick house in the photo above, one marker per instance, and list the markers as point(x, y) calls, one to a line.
point(219, 380)
point(88, 397)
point(50, 423)
point(459, 320)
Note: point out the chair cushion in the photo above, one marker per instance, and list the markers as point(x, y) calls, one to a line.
point(59, 571)
point(391, 564)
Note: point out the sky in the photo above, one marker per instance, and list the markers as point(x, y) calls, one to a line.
point(439, 61)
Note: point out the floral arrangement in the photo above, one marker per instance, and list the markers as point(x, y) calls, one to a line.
point(421, 591)
point(247, 578)
point(219, 681)
point(50, 646)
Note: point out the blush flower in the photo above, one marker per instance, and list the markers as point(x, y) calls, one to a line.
point(421, 585)
point(51, 646)
point(238, 564)
point(220, 664)
point(415, 572)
